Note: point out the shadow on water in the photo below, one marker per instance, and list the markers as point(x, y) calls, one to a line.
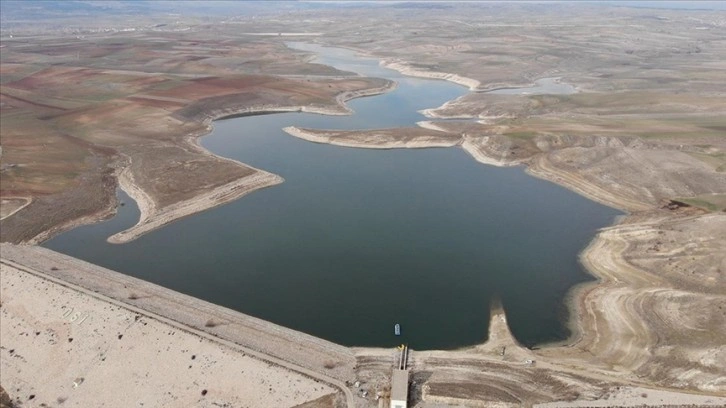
point(357, 240)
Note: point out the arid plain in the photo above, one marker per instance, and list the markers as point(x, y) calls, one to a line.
point(97, 105)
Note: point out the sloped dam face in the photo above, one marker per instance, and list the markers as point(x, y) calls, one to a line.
point(355, 240)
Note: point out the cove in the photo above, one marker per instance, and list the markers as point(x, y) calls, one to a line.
point(357, 240)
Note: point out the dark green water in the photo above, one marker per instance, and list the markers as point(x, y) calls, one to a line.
point(357, 240)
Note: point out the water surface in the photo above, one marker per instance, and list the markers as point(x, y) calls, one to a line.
point(357, 240)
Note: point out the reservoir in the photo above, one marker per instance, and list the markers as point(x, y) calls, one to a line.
point(356, 240)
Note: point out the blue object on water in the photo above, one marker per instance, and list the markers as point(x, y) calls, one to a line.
point(397, 329)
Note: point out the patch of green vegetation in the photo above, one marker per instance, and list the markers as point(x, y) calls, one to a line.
point(715, 160)
point(525, 134)
point(710, 202)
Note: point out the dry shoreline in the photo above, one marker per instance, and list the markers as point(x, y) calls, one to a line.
point(6, 201)
point(152, 217)
point(645, 136)
point(406, 69)
point(374, 139)
point(433, 113)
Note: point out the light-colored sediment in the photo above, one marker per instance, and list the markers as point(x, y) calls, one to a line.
point(406, 69)
point(153, 218)
point(11, 205)
point(542, 167)
point(637, 397)
point(436, 113)
point(376, 139)
point(478, 149)
point(440, 112)
point(281, 34)
point(332, 110)
point(104, 214)
point(631, 327)
point(501, 373)
point(624, 396)
point(453, 110)
point(627, 173)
